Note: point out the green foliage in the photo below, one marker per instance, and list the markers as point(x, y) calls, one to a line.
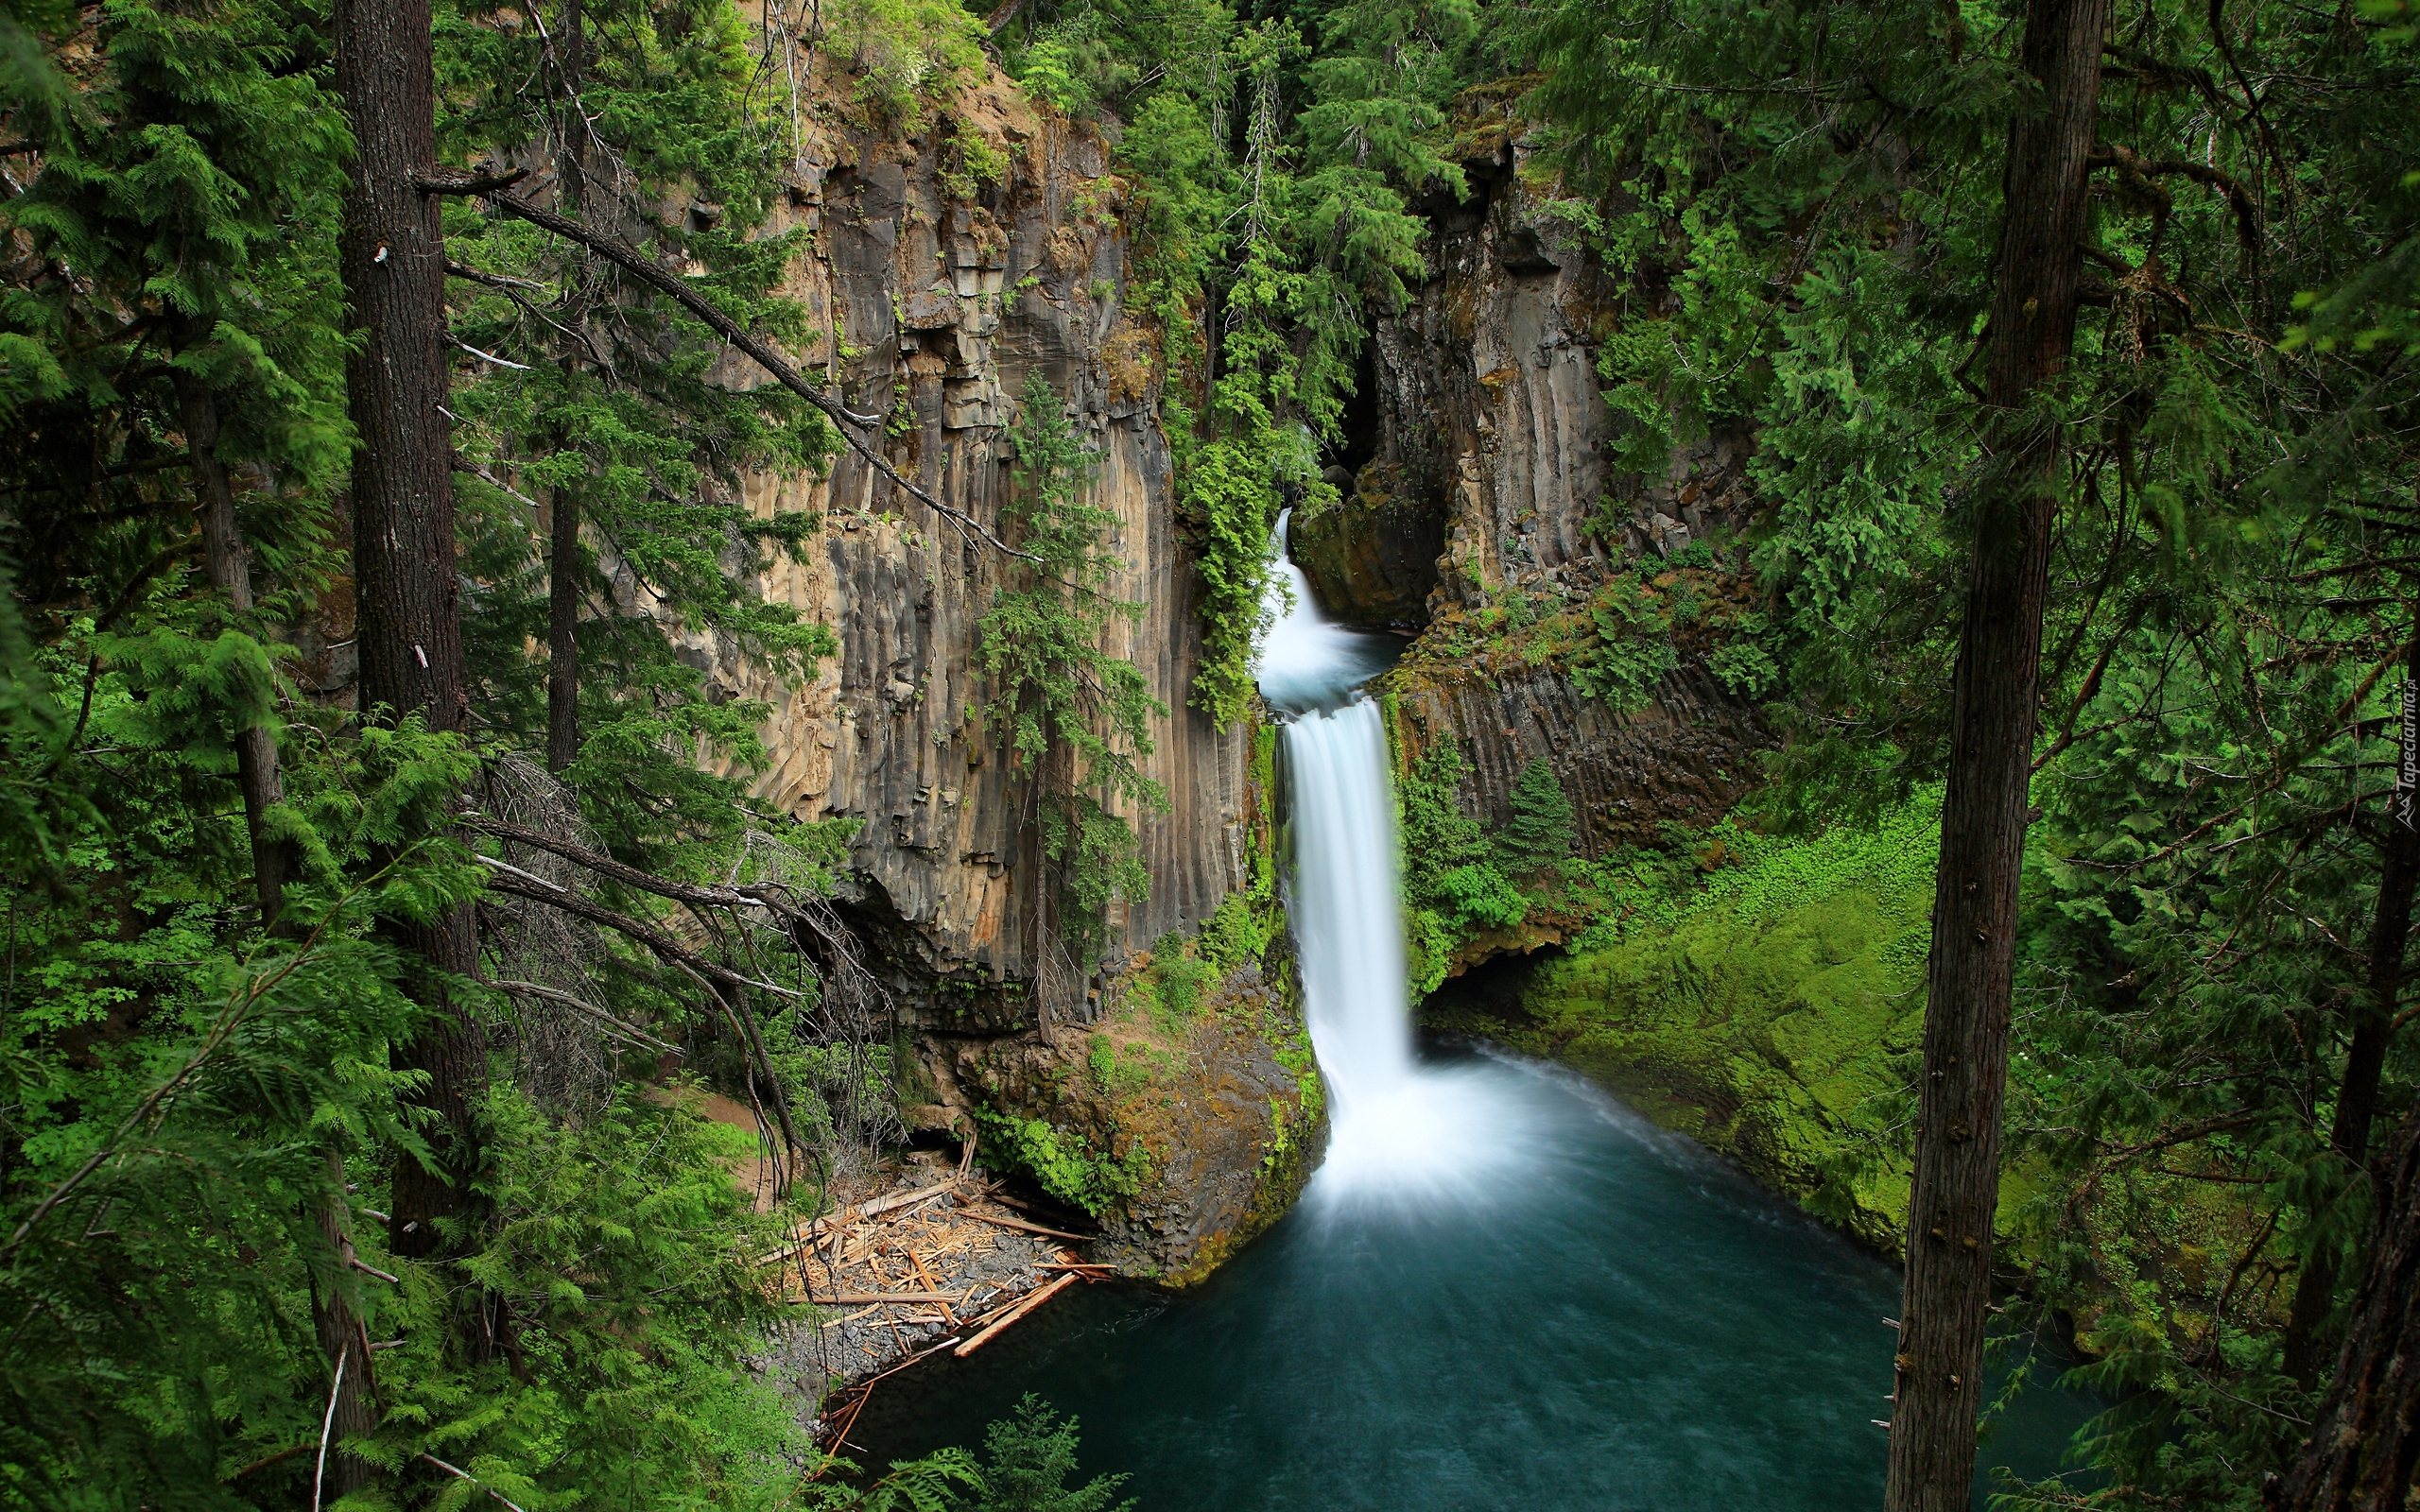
point(1273, 178)
point(1454, 881)
point(1178, 977)
point(183, 1096)
point(614, 407)
point(1541, 831)
point(616, 1255)
point(1742, 664)
point(1633, 646)
point(1237, 935)
point(906, 53)
point(1066, 1161)
point(1028, 1460)
point(1768, 1007)
point(977, 164)
point(1071, 713)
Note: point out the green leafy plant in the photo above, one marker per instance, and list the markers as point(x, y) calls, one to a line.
point(908, 53)
point(1178, 977)
point(1075, 716)
point(1633, 646)
point(1066, 1161)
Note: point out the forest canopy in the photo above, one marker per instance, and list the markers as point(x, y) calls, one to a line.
point(380, 848)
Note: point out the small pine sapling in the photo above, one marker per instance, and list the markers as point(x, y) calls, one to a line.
point(1541, 831)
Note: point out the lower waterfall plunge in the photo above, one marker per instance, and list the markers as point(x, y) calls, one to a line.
point(1501, 1289)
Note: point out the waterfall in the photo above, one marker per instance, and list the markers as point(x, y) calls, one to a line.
point(1395, 1127)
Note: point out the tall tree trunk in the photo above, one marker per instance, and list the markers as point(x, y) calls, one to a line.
point(2365, 1441)
point(224, 556)
point(392, 255)
point(1939, 1385)
point(562, 563)
point(2357, 1099)
point(341, 1336)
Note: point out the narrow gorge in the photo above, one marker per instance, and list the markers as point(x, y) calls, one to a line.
point(1475, 465)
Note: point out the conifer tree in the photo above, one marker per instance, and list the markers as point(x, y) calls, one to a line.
point(600, 394)
point(1540, 831)
point(1075, 718)
point(406, 593)
point(1937, 1393)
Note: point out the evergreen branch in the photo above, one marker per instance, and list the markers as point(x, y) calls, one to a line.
point(511, 289)
point(473, 1479)
point(488, 356)
point(159, 1097)
point(613, 870)
point(465, 466)
point(638, 266)
point(2247, 216)
point(2286, 766)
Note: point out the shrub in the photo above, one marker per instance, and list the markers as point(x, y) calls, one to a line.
point(1234, 936)
point(1633, 651)
point(1179, 978)
point(905, 52)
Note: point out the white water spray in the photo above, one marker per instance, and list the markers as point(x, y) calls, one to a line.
point(1395, 1127)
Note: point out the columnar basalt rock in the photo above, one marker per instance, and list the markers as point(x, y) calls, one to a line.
point(1495, 438)
point(931, 306)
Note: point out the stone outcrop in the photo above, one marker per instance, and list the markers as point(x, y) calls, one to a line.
point(1493, 437)
point(1687, 756)
point(932, 296)
point(934, 308)
point(1372, 559)
point(1221, 1113)
point(1493, 427)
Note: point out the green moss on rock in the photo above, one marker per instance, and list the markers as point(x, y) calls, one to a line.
point(1771, 1011)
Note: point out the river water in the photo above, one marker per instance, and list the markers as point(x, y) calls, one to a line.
point(1501, 1289)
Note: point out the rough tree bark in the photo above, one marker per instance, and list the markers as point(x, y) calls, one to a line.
point(2365, 1443)
point(2357, 1098)
point(225, 558)
point(1939, 1387)
point(562, 560)
point(258, 773)
point(393, 256)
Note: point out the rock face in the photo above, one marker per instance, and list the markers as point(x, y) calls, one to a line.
point(1686, 756)
point(1493, 427)
point(1221, 1112)
point(933, 296)
point(1494, 433)
point(935, 308)
point(1372, 559)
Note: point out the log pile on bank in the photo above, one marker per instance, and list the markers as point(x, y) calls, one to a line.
point(943, 1266)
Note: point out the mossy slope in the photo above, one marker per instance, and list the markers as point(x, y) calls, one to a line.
point(1770, 1009)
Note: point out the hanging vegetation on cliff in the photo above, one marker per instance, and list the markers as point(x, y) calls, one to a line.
point(1075, 716)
